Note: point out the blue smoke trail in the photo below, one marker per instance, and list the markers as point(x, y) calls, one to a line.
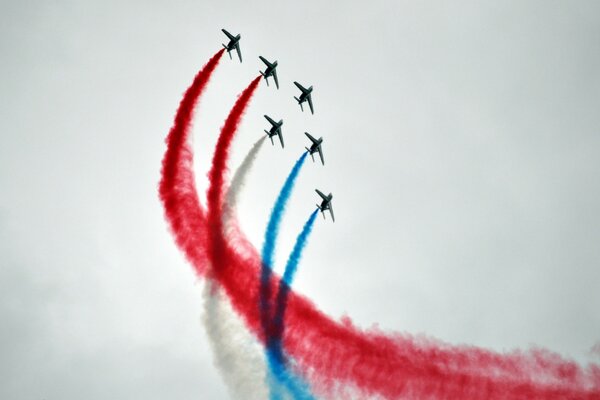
point(275, 357)
point(275, 347)
point(272, 231)
point(288, 277)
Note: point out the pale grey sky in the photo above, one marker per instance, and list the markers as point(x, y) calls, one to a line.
point(462, 145)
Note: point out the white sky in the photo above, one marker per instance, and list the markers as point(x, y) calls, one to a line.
point(462, 148)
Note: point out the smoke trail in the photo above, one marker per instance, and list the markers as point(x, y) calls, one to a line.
point(176, 188)
point(187, 220)
point(274, 345)
point(231, 228)
point(276, 360)
point(217, 245)
point(238, 355)
point(271, 234)
point(286, 282)
point(272, 230)
point(335, 354)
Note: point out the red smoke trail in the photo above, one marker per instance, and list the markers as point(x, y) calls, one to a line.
point(177, 189)
point(337, 353)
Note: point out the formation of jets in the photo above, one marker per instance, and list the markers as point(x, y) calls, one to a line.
point(275, 129)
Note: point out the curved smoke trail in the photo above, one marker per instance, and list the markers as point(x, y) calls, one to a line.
point(275, 352)
point(335, 354)
point(230, 225)
point(177, 189)
point(238, 355)
point(286, 282)
point(279, 373)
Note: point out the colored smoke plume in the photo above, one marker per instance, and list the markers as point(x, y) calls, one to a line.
point(332, 354)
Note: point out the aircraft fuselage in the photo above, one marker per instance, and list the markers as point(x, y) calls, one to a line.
point(315, 146)
point(304, 95)
point(232, 43)
point(269, 70)
point(325, 205)
point(275, 128)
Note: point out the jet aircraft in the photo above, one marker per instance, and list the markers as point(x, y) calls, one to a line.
point(305, 96)
point(234, 43)
point(270, 71)
point(325, 204)
point(315, 147)
point(275, 130)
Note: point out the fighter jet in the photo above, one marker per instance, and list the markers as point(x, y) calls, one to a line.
point(325, 204)
point(234, 43)
point(305, 96)
point(270, 71)
point(316, 146)
point(275, 130)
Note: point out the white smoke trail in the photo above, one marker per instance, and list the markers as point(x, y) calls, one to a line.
point(238, 355)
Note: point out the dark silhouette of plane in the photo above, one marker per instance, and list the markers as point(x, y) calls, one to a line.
point(234, 43)
point(275, 130)
point(315, 147)
point(305, 96)
point(325, 204)
point(270, 71)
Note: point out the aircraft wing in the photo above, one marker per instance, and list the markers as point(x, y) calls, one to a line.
point(280, 137)
point(321, 155)
point(312, 139)
point(312, 111)
point(275, 77)
point(299, 86)
point(270, 120)
point(229, 35)
point(237, 47)
point(321, 194)
point(268, 64)
point(331, 212)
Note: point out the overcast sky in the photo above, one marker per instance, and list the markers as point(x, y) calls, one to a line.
point(462, 146)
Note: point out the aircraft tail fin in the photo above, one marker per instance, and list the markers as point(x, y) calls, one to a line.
point(264, 76)
point(322, 211)
point(299, 102)
point(311, 154)
point(270, 137)
point(228, 52)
